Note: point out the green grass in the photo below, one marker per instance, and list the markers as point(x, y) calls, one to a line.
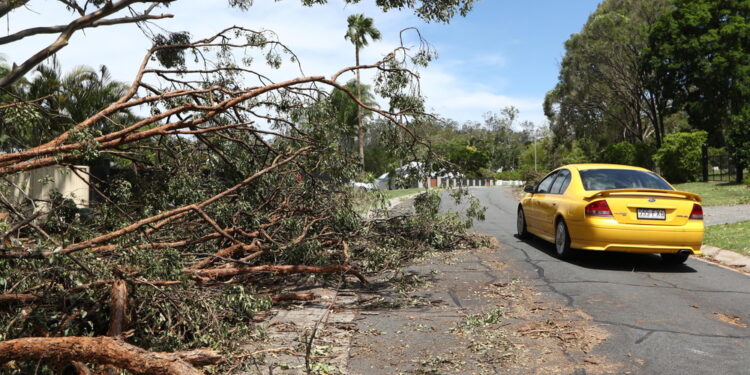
point(364, 201)
point(390, 194)
point(718, 193)
point(735, 237)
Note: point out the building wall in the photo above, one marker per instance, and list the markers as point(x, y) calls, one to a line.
point(39, 183)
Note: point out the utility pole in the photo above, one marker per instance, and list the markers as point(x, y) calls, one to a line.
point(533, 136)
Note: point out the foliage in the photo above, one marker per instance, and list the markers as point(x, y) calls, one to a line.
point(347, 113)
point(679, 158)
point(699, 54)
point(602, 94)
point(513, 175)
point(573, 155)
point(358, 31)
point(469, 159)
point(533, 177)
point(193, 188)
point(398, 239)
point(494, 137)
point(619, 153)
point(66, 100)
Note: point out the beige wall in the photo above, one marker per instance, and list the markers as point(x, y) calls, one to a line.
point(38, 184)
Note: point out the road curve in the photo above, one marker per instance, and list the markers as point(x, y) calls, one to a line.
point(691, 319)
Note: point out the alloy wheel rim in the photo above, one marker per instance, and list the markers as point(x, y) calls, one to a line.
point(519, 222)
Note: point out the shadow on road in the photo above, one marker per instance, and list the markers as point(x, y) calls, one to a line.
point(613, 261)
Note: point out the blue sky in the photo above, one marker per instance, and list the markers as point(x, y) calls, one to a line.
point(505, 52)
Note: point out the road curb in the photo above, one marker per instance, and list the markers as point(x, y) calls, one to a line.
point(726, 258)
point(393, 202)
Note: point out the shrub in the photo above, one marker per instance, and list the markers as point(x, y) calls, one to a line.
point(509, 175)
point(619, 153)
point(644, 155)
point(679, 158)
point(532, 177)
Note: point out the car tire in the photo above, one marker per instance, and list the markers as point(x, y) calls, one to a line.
point(562, 240)
point(674, 259)
point(521, 224)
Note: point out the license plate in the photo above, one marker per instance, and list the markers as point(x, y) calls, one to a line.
point(652, 214)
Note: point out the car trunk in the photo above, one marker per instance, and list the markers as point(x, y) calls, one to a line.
point(649, 206)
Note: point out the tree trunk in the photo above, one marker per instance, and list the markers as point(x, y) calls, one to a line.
point(96, 350)
point(118, 306)
point(361, 125)
point(740, 172)
point(118, 303)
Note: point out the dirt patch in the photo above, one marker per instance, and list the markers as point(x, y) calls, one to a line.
point(730, 319)
point(477, 319)
point(543, 337)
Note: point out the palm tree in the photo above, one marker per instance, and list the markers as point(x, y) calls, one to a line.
point(347, 112)
point(61, 100)
point(360, 28)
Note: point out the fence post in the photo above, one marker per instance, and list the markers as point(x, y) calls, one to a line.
point(704, 161)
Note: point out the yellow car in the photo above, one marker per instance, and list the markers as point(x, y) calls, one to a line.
point(608, 207)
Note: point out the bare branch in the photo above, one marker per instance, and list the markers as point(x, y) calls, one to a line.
point(62, 40)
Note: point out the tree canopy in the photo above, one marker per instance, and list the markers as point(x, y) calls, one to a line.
point(699, 56)
point(602, 93)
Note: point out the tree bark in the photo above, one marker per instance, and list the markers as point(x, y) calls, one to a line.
point(8, 5)
point(118, 306)
point(96, 350)
point(220, 273)
point(361, 126)
point(285, 297)
point(198, 357)
point(22, 299)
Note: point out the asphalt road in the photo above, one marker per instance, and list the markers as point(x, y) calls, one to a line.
point(691, 319)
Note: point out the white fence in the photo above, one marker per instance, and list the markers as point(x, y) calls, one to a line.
point(470, 182)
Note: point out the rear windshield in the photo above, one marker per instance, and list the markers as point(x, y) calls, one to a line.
point(606, 179)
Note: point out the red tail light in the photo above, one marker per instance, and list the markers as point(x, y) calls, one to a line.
point(598, 208)
point(697, 213)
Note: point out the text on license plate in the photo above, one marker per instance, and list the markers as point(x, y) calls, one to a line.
point(652, 214)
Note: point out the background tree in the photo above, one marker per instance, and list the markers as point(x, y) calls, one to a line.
point(360, 28)
point(348, 114)
point(602, 95)
point(55, 102)
point(699, 56)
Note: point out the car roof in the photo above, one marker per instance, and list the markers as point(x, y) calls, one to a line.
point(585, 166)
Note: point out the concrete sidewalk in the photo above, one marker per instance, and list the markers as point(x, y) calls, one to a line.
point(716, 215)
point(726, 257)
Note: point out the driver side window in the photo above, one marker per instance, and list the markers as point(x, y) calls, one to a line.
point(546, 184)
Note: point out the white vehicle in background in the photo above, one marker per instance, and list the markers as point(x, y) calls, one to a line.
point(365, 186)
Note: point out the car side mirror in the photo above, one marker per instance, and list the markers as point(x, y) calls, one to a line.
point(528, 189)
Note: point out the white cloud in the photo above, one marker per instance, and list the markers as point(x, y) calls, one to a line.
point(458, 98)
point(315, 34)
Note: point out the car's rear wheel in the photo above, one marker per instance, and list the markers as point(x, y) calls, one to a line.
point(674, 259)
point(521, 224)
point(562, 240)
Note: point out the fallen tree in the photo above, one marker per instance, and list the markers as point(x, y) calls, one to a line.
point(225, 180)
point(100, 351)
